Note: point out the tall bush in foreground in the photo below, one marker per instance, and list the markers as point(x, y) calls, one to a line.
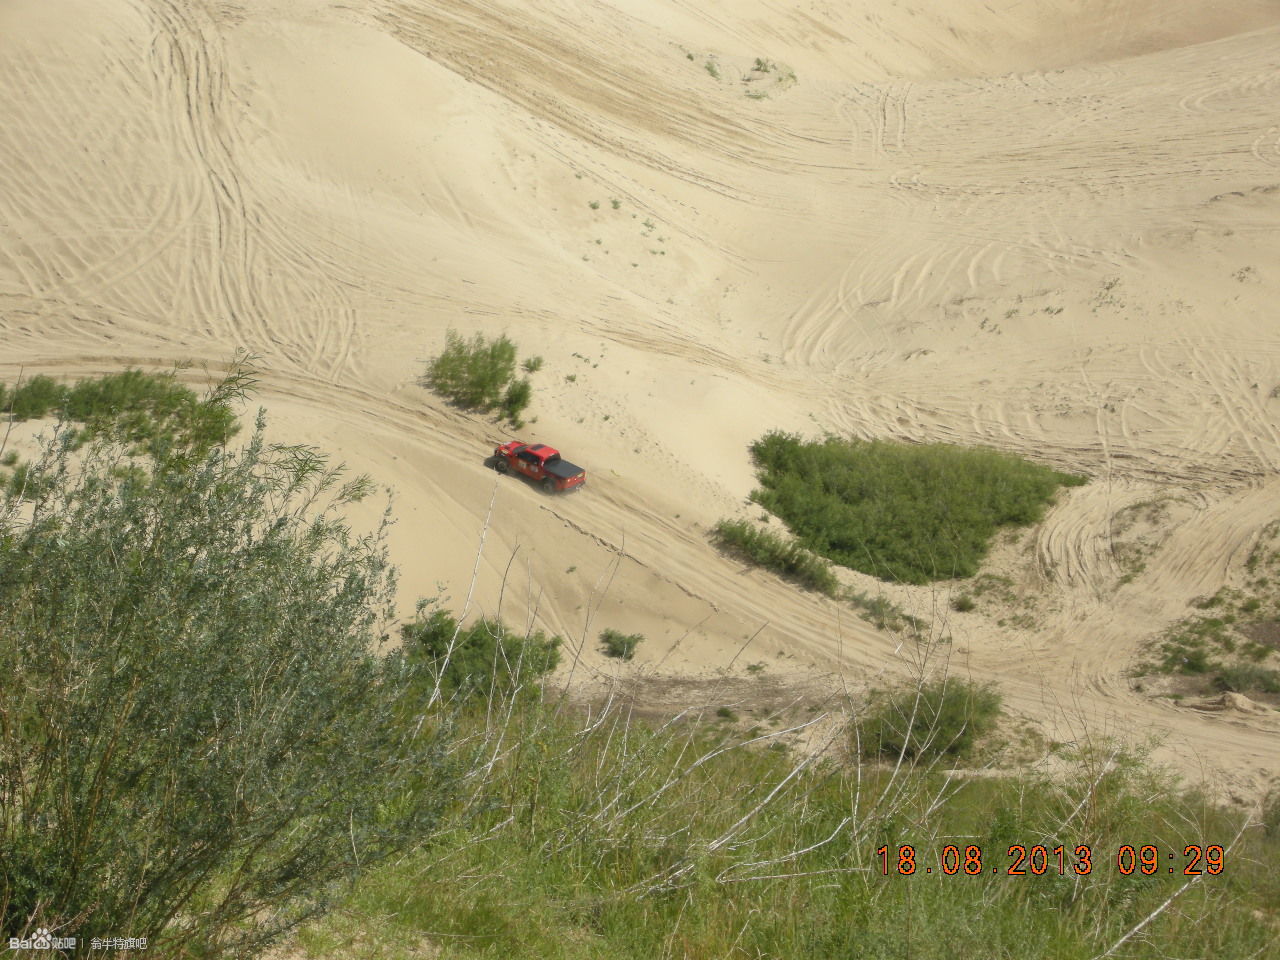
point(196, 742)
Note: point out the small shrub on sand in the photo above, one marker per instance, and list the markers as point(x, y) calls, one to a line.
point(942, 718)
point(621, 646)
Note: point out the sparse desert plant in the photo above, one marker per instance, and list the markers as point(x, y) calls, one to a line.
point(594, 204)
point(939, 718)
point(619, 645)
point(962, 603)
point(907, 512)
point(712, 69)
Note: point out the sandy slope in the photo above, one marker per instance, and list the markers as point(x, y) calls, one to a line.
point(1049, 226)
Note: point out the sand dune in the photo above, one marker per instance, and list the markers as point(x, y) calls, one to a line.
point(1046, 226)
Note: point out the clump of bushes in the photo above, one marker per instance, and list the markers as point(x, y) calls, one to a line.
point(941, 718)
point(152, 411)
point(785, 557)
point(621, 646)
point(480, 660)
point(907, 512)
point(479, 374)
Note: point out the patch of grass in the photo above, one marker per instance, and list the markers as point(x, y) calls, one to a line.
point(594, 204)
point(532, 364)
point(1247, 678)
point(784, 557)
point(621, 646)
point(944, 718)
point(962, 603)
point(907, 512)
point(712, 69)
point(724, 713)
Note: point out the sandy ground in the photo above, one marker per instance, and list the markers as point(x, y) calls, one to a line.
point(1048, 226)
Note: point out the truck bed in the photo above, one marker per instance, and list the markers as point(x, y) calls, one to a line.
point(562, 468)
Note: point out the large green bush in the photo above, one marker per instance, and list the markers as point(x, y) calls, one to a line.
point(906, 512)
point(196, 741)
point(941, 718)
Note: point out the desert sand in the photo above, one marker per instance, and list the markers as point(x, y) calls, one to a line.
point(1049, 226)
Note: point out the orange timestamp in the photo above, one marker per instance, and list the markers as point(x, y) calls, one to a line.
point(1038, 860)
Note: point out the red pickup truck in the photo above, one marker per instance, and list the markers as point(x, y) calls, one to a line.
point(539, 462)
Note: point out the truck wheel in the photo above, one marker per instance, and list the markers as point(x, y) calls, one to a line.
point(502, 466)
point(548, 485)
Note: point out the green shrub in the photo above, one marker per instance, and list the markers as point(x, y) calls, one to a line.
point(1247, 678)
point(485, 659)
point(473, 373)
point(532, 365)
point(898, 511)
point(784, 557)
point(24, 483)
point(516, 399)
point(150, 410)
point(37, 397)
point(619, 645)
point(197, 743)
point(942, 718)
point(479, 374)
point(962, 603)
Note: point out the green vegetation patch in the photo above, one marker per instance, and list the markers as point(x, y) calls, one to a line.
point(149, 410)
point(907, 512)
point(484, 659)
point(785, 557)
point(1235, 644)
point(943, 718)
point(619, 645)
point(479, 374)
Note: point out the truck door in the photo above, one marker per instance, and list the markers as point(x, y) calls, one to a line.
point(528, 464)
